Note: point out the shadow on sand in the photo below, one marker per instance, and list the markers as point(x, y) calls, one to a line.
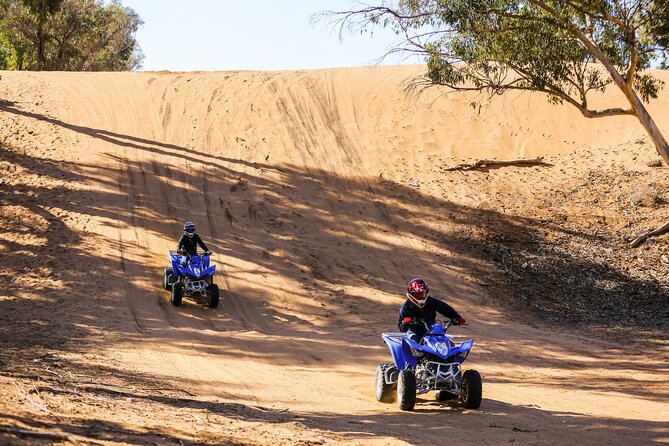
point(329, 234)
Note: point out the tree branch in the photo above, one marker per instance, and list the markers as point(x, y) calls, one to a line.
point(592, 48)
point(617, 111)
point(489, 163)
point(655, 232)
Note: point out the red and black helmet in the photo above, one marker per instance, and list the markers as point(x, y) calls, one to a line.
point(417, 292)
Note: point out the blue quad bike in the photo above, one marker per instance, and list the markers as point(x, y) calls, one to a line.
point(434, 364)
point(195, 280)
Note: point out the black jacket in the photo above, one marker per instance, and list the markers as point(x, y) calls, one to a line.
point(428, 313)
point(189, 244)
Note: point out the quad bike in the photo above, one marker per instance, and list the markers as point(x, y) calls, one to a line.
point(434, 364)
point(195, 280)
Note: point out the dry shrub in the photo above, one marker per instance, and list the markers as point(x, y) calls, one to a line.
point(647, 195)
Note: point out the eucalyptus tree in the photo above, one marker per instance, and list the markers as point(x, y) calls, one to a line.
point(91, 36)
point(70, 35)
point(40, 12)
point(567, 49)
point(25, 27)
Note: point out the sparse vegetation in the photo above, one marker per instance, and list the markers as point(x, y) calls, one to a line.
point(576, 267)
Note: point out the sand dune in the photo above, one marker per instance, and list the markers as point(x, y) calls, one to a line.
point(299, 181)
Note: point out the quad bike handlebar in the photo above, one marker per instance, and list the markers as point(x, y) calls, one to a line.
point(446, 323)
point(204, 253)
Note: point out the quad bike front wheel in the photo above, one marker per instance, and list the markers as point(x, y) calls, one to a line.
point(214, 295)
point(384, 391)
point(167, 278)
point(406, 389)
point(177, 294)
point(472, 390)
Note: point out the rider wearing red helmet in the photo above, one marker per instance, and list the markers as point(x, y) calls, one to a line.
point(420, 306)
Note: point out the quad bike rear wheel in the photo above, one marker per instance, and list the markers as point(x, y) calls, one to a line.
point(406, 389)
point(384, 391)
point(177, 294)
point(214, 295)
point(472, 390)
point(167, 278)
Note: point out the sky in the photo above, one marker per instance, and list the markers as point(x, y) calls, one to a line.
point(207, 35)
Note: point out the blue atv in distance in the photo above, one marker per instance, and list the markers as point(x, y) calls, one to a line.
point(194, 280)
point(433, 364)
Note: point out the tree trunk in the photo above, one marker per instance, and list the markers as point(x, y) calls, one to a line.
point(40, 48)
point(640, 110)
point(60, 66)
point(651, 128)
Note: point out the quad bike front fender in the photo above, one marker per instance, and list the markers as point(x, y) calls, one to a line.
point(462, 348)
point(399, 350)
point(209, 271)
point(182, 270)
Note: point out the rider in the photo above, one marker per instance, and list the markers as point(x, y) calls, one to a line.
point(188, 243)
point(419, 307)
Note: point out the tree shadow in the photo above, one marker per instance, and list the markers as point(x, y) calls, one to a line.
point(429, 423)
point(338, 250)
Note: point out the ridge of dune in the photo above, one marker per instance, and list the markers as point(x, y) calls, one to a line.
point(321, 193)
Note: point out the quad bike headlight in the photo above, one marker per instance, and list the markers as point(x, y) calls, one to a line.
point(442, 348)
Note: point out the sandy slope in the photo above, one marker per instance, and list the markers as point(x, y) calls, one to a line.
point(299, 182)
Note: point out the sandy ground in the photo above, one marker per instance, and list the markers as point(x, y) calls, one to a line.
point(299, 181)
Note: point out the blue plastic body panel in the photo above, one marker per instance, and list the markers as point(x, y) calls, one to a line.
point(198, 266)
point(402, 348)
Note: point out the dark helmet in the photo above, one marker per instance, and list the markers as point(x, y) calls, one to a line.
point(189, 228)
point(417, 292)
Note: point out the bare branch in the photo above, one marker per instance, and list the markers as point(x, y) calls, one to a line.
point(359, 19)
point(655, 232)
point(496, 163)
